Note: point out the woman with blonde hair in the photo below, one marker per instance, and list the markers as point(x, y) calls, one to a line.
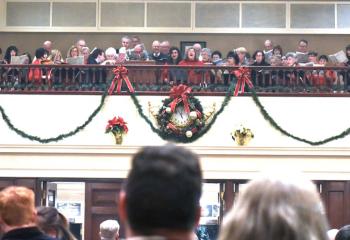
point(276, 209)
point(53, 223)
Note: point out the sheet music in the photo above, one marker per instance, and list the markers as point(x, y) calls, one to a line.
point(23, 59)
point(75, 60)
point(338, 57)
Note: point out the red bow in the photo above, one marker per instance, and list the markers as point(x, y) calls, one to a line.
point(243, 75)
point(180, 93)
point(121, 73)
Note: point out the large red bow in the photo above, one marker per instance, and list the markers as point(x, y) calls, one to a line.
point(121, 73)
point(180, 93)
point(243, 77)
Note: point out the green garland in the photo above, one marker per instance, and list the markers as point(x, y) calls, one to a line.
point(175, 138)
point(163, 134)
point(276, 126)
point(60, 136)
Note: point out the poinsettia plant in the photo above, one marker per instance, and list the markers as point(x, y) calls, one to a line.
point(117, 125)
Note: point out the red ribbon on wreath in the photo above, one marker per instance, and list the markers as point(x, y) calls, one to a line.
point(180, 94)
point(121, 73)
point(243, 77)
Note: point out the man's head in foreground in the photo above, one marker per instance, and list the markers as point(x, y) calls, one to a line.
point(162, 193)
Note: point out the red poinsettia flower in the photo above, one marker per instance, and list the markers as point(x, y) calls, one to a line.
point(117, 125)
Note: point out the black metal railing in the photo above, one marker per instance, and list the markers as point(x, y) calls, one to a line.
point(148, 78)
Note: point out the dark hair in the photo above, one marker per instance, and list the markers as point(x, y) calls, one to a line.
point(216, 53)
point(49, 218)
point(323, 57)
point(304, 41)
point(232, 54)
point(343, 233)
point(179, 58)
point(40, 52)
point(312, 53)
point(93, 55)
point(7, 56)
point(263, 55)
point(277, 47)
point(163, 189)
point(195, 56)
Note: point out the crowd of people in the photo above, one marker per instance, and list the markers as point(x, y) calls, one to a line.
point(161, 201)
point(162, 53)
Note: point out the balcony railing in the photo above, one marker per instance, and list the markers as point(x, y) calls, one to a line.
point(158, 79)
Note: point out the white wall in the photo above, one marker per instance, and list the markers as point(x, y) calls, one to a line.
point(93, 154)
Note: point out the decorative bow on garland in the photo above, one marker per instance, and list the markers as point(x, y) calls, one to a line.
point(180, 94)
point(243, 75)
point(121, 73)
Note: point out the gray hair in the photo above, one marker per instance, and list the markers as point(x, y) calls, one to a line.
point(207, 50)
point(109, 229)
point(111, 51)
point(291, 54)
point(273, 208)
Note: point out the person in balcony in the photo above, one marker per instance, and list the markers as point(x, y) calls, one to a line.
point(206, 59)
point(97, 77)
point(347, 52)
point(268, 50)
point(194, 76)
point(85, 52)
point(10, 75)
point(294, 77)
point(10, 51)
point(173, 75)
point(330, 77)
point(232, 60)
point(80, 44)
point(111, 56)
point(277, 51)
point(217, 60)
point(157, 55)
point(165, 47)
point(73, 52)
point(137, 53)
point(38, 75)
point(242, 56)
point(259, 76)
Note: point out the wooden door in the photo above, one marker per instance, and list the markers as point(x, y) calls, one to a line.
point(100, 204)
point(336, 198)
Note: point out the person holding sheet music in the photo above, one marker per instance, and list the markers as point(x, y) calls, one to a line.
point(10, 74)
point(10, 51)
point(73, 52)
point(302, 51)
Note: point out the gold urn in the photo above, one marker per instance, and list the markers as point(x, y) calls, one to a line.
point(118, 136)
point(242, 136)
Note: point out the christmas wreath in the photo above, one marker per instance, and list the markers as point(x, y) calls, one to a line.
point(181, 115)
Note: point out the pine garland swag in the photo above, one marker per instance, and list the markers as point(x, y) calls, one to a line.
point(273, 123)
point(60, 136)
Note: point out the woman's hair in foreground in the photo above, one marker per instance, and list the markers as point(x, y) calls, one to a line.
point(276, 209)
point(17, 206)
point(50, 219)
